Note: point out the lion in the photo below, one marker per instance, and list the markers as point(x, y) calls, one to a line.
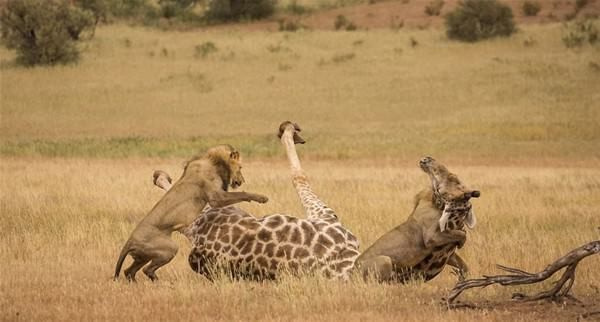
point(205, 180)
point(422, 245)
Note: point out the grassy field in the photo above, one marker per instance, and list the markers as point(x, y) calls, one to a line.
point(141, 92)
point(65, 223)
point(78, 145)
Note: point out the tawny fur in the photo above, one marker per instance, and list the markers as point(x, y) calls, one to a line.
point(261, 248)
point(205, 180)
point(418, 248)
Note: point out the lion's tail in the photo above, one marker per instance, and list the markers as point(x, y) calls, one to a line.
point(126, 249)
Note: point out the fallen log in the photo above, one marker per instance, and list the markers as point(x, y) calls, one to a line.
point(519, 277)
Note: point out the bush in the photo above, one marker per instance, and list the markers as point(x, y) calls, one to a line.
point(225, 10)
point(288, 25)
point(205, 49)
point(474, 20)
point(128, 8)
point(434, 8)
point(343, 23)
point(297, 9)
point(44, 32)
point(579, 32)
point(531, 8)
point(579, 4)
point(177, 9)
point(99, 8)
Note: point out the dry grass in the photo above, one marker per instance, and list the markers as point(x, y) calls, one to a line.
point(64, 221)
point(141, 92)
point(519, 122)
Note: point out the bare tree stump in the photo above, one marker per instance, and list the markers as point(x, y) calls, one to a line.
point(519, 277)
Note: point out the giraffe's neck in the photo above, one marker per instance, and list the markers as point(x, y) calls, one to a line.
point(314, 207)
point(288, 140)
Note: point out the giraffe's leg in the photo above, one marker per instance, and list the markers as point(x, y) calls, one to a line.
point(162, 254)
point(138, 262)
point(461, 267)
point(379, 267)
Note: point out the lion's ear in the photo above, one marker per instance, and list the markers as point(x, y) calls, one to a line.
point(235, 155)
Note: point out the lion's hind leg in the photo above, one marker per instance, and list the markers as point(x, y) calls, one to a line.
point(162, 253)
point(379, 267)
point(138, 262)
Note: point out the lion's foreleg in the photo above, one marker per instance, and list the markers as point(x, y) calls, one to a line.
point(462, 268)
point(219, 199)
point(434, 238)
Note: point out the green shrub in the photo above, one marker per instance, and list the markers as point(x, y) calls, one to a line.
point(343, 23)
point(205, 49)
point(340, 58)
point(76, 20)
point(531, 8)
point(128, 8)
point(580, 32)
point(225, 10)
point(182, 9)
point(44, 32)
point(434, 8)
point(99, 8)
point(294, 8)
point(288, 25)
point(579, 4)
point(474, 20)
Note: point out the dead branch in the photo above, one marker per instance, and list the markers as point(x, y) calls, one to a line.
point(520, 277)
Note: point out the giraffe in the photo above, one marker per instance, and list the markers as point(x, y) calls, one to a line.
point(428, 239)
point(261, 248)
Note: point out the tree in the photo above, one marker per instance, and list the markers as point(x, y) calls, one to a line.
point(44, 31)
point(474, 20)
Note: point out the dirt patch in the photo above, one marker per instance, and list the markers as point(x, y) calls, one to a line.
point(387, 14)
point(564, 310)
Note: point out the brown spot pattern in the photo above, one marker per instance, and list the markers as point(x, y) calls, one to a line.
point(260, 247)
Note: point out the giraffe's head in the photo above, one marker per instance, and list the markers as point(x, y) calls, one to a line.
point(449, 193)
point(229, 162)
point(293, 129)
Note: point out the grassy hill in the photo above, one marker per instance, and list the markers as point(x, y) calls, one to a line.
point(142, 92)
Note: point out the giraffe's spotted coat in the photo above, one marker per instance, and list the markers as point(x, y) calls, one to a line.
point(267, 245)
point(262, 247)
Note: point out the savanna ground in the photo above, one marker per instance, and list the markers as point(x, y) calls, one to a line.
point(517, 118)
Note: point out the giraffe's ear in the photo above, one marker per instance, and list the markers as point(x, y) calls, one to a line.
point(471, 221)
point(444, 219)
